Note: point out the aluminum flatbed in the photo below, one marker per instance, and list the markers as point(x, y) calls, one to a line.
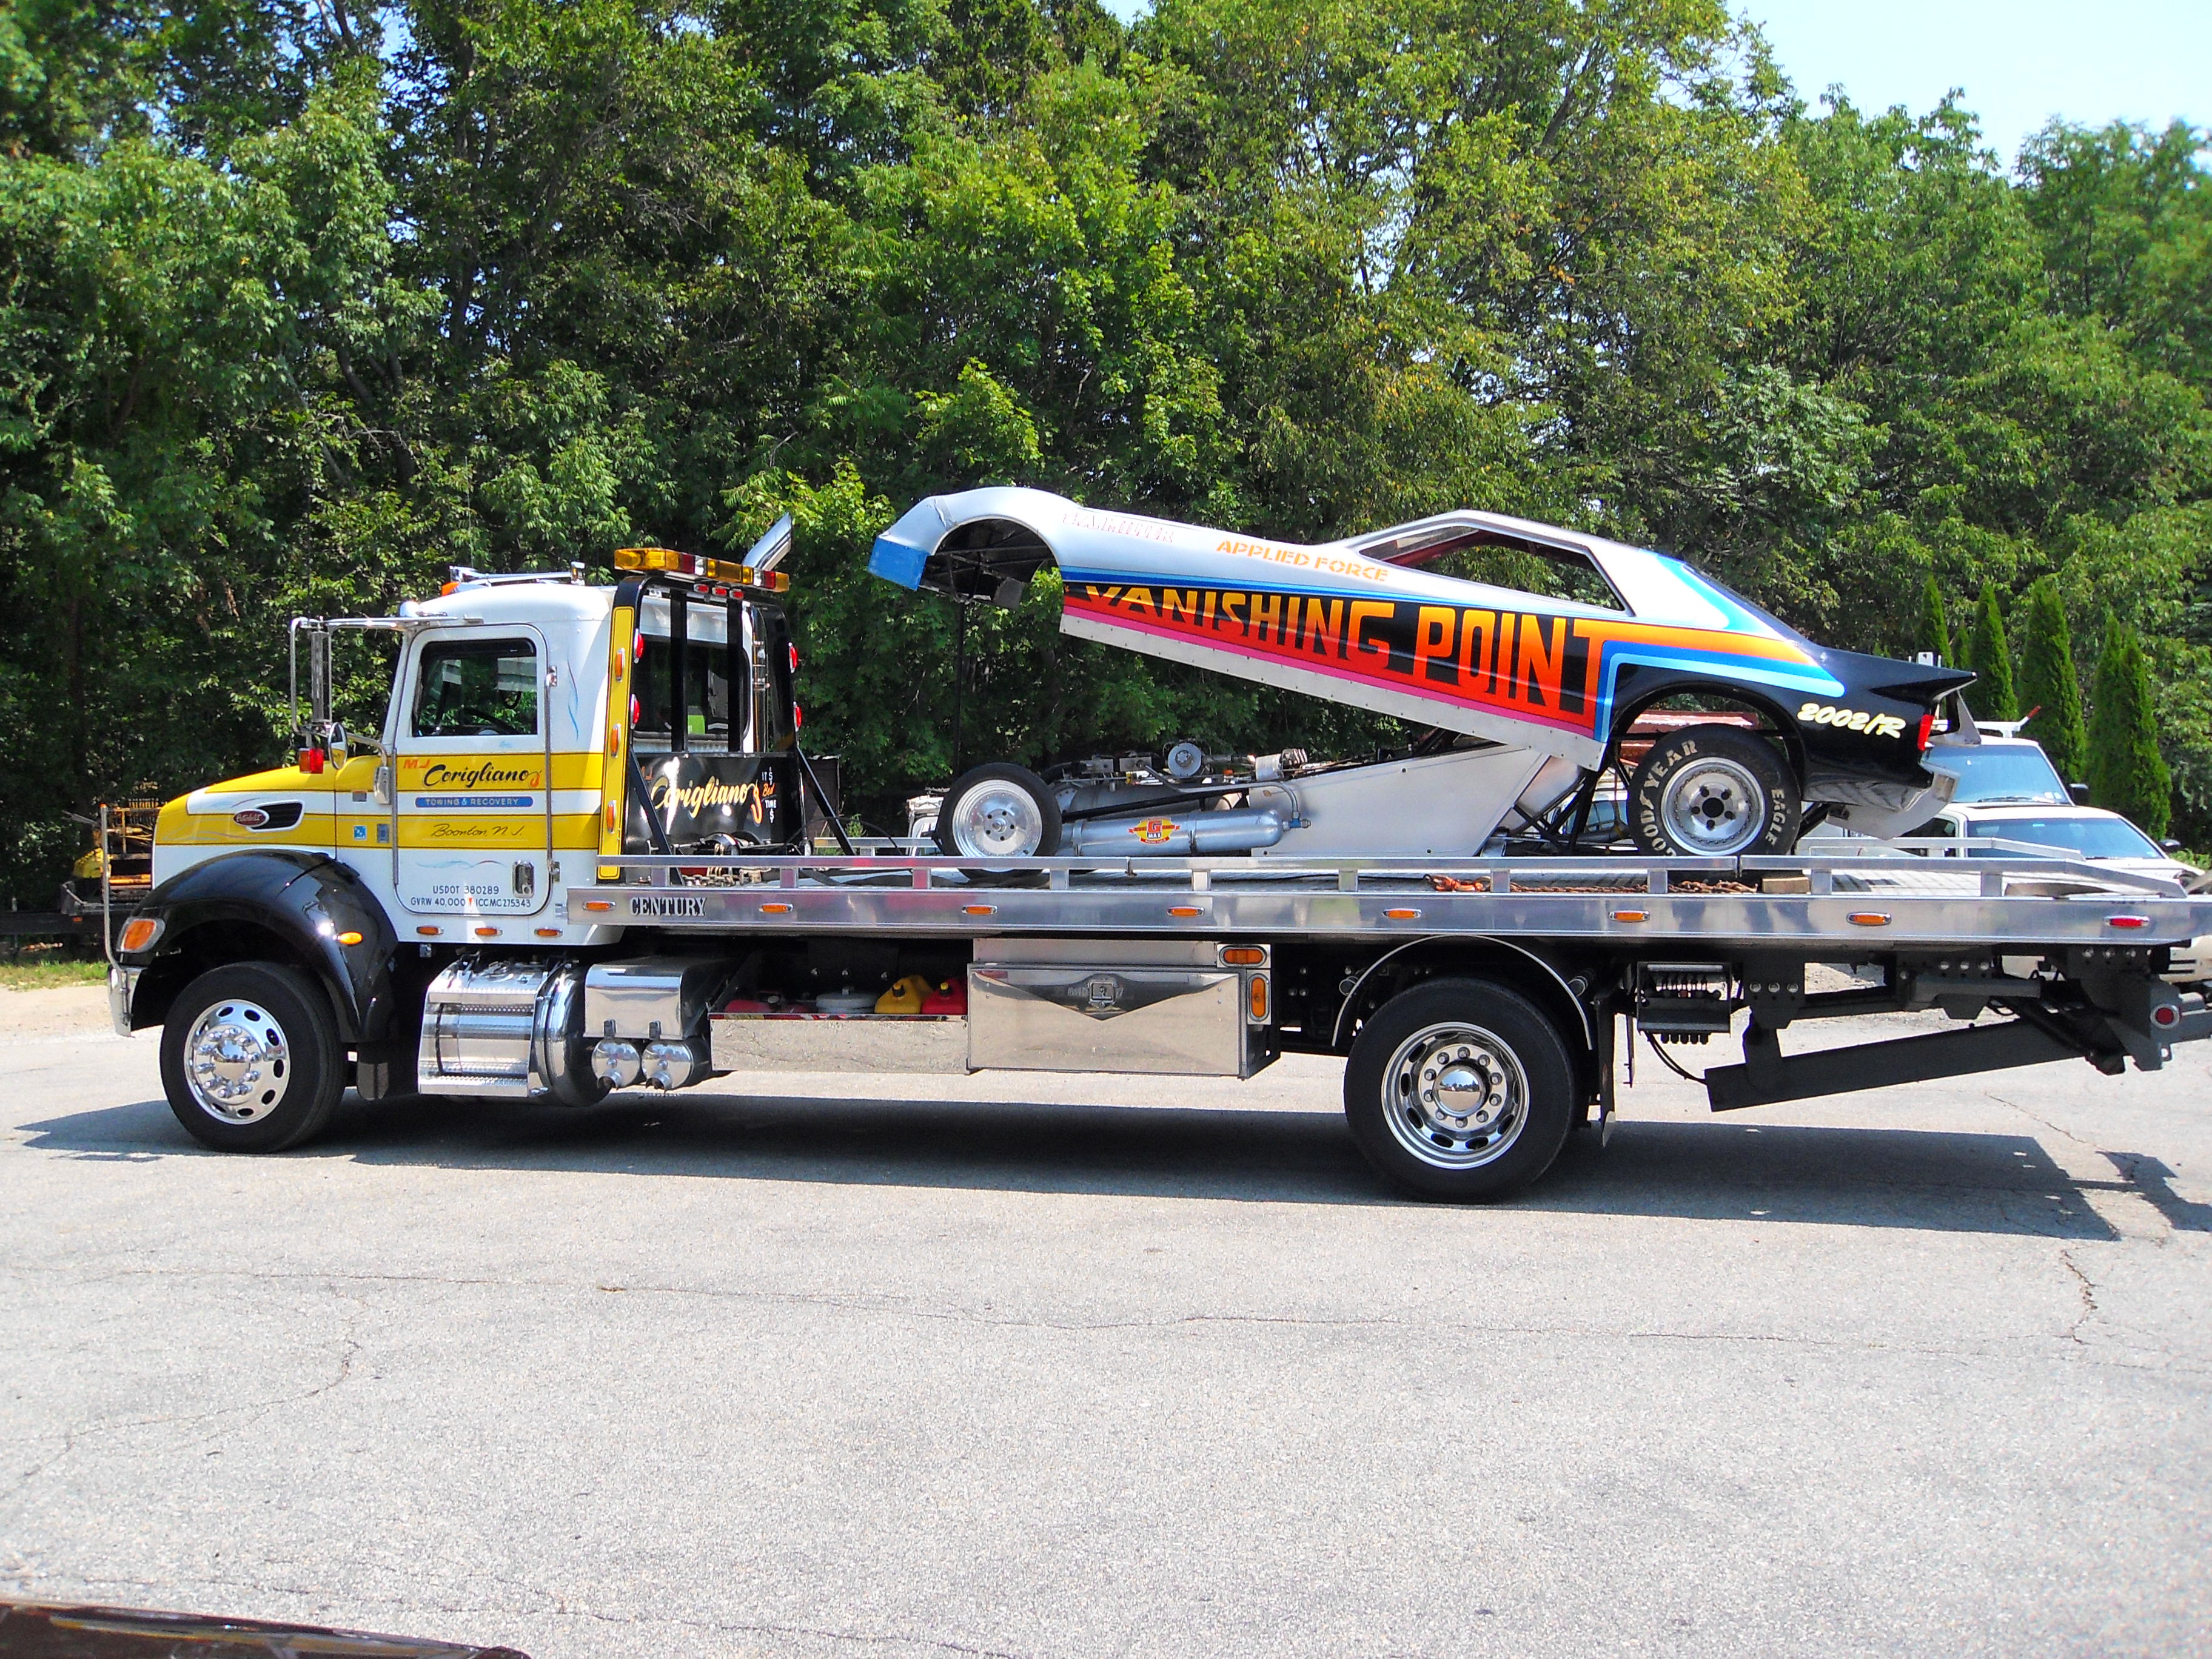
point(1854, 902)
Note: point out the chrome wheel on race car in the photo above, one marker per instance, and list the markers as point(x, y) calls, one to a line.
point(1712, 805)
point(237, 1062)
point(1457, 1098)
point(998, 811)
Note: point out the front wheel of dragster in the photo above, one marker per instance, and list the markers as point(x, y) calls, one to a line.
point(251, 1060)
point(998, 811)
point(1713, 792)
point(1459, 1089)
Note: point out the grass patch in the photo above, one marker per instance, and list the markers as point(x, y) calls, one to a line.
point(42, 972)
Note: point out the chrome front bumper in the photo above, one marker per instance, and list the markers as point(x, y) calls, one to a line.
point(122, 983)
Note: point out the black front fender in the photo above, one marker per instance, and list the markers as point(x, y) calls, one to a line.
point(302, 908)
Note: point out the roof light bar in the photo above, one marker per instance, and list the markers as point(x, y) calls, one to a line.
point(667, 561)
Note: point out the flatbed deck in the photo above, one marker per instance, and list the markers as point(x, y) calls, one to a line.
point(1854, 901)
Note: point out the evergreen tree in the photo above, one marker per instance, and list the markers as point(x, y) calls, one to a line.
point(1935, 626)
point(1990, 658)
point(2126, 772)
point(2048, 683)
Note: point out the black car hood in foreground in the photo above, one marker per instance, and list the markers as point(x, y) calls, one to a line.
point(40, 1630)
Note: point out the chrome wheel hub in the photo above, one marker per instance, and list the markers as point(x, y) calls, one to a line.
point(997, 820)
point(237, 1063)
point(1456, 1096)
point(1713, 806)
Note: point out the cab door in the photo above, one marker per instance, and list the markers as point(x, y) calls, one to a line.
point(471, 774)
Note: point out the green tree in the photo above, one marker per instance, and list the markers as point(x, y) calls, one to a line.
point(1934, 631)
point(2127, 774)
point(2048, 683)
point(1990, 658)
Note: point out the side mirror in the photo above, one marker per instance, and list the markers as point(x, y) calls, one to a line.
point(2080, 792)
point(2171, 846)
point(380, 786)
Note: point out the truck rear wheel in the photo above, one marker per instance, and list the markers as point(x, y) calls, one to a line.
point(250, 1058)
point(1459, 1089)
point(1713, 792)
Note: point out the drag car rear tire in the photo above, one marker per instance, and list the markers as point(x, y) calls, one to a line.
point(999, 811)
point(251, 1060)
point(1713, 792)
point(1460, 1088)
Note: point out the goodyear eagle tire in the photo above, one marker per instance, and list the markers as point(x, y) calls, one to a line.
point(251, 1060)
point(1459, 1089)
point(1713, 792)
point(998, 812)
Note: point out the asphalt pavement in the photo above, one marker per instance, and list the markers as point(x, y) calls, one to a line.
point(1044, 1366)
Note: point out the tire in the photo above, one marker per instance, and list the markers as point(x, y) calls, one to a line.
point(1517, 1127)
point(251, 1059)
point(999, 810)
point(1713, 792)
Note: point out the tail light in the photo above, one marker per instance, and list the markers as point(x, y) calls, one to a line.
point(1927, 727)
point(794, 657)
point(797, 717)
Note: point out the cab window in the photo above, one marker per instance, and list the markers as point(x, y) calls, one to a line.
point(476, 689)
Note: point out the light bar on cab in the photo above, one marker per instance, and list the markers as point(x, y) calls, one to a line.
point(667, 561)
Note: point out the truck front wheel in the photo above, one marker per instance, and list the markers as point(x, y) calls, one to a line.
point(1459, 1089)
point(250, 1058)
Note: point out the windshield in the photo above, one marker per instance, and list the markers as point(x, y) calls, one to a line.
point(2005, 772)
point(2095, 838)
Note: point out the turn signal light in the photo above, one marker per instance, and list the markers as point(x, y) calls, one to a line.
point(140, 932)
point(1260, 999)
point(352, 936)
point(1242, 956)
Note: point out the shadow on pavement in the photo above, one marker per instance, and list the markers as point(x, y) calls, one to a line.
point(1949, 1181)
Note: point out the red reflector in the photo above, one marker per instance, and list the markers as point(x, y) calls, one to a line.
point(2166, 1014)
point(1927, 727)
point(794, 657)
point(797, 717)
point(2127, 922)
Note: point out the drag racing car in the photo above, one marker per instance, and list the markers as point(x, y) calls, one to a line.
point(1527, 654)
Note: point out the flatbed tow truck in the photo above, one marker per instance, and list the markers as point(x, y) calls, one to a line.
point(584, 854)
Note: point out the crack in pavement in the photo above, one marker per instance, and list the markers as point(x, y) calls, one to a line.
point(1183, 1321)
point(76, 1435)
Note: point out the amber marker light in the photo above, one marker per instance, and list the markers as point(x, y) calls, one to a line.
point(775, 909)
point(549, 932)
point(1869, 918)
point(1631, 916)
point(598, 904)
point(430, 932)
point(140, 932)
point(978, 909)
point(1183, 909)
point(1242, 956)
point(349, 937)
point(1260, 998)
point(1402, 916)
